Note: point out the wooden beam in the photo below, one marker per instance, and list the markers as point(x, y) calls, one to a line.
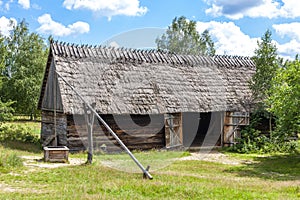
point(89, 118)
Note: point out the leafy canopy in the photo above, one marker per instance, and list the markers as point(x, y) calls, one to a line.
point(267, 63)
point(276, 93)
point(182, 37)
point(5, 108)
point(284, 100)
point(24, 56)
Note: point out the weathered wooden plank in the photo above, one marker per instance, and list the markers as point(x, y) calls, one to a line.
point(144, 136)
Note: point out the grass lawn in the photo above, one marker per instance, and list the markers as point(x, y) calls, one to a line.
point(117, 177)
point(269, 177)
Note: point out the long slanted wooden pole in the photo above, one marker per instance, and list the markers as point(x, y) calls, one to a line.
point(145, 171)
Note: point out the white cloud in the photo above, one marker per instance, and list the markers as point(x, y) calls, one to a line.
point(48, 26)
point(291, 30)
point(7, 4)
point(24, 3)
point(289, 50)
point(237, 9)
point(36, 6)
point(228, 38)
point(290, 9)
point(108, 8)
point(5, 26)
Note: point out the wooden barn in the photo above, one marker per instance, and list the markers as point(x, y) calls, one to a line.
point(149, 98)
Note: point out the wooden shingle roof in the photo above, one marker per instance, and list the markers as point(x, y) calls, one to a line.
point(131, 81)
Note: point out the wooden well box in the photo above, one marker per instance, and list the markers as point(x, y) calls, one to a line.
point(56, 154)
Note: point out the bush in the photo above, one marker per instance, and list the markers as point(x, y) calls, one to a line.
point(6, 111)
point(255, 139)
point(16, 132)
point(252, 141)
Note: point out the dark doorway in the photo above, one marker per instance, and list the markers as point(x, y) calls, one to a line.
point(202, 129)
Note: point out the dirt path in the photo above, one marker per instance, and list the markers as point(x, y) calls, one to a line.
point(7, 188)
point(213, 156)
point(36, 161)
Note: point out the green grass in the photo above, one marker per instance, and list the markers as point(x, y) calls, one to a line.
point(155, 159)
point(268, 176)
point(276, 167)
point(9, 160)
point(176, 180)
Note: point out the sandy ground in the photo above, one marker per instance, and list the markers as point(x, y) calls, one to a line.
point(213, 156)
point(35, 161)
point(7, 188)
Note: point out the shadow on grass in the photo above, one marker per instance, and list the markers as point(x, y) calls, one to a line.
point(277, 167)
point(16, 145)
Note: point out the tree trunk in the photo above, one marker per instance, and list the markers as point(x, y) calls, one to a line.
point(270, 125)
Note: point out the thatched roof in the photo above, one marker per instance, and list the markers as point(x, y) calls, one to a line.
point(130, 81)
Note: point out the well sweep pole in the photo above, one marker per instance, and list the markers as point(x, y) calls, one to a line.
point(145, 171)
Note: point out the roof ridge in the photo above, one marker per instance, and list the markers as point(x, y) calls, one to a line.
point(111, 53)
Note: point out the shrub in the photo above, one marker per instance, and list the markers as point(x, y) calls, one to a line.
point(6, 111)
point(252, 141)
point(17, 132)
point(255, 138)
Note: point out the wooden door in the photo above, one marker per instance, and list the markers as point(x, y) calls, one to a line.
point(173, 130)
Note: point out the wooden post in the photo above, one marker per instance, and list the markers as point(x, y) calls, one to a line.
point(89, 118)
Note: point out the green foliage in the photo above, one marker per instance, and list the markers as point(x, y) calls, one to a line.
point(17, 132)
point(284, 100)
point(6, 111)
point(183, 38)
point(267, 62)
point(254, 141)
point(263, 144)
point(23, 61)
point(3, 53)
point(276, 92)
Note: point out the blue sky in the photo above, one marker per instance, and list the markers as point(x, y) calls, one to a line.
point(235, 25)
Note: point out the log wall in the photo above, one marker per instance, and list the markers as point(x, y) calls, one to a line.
point(48, 131)
point(144, 137)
